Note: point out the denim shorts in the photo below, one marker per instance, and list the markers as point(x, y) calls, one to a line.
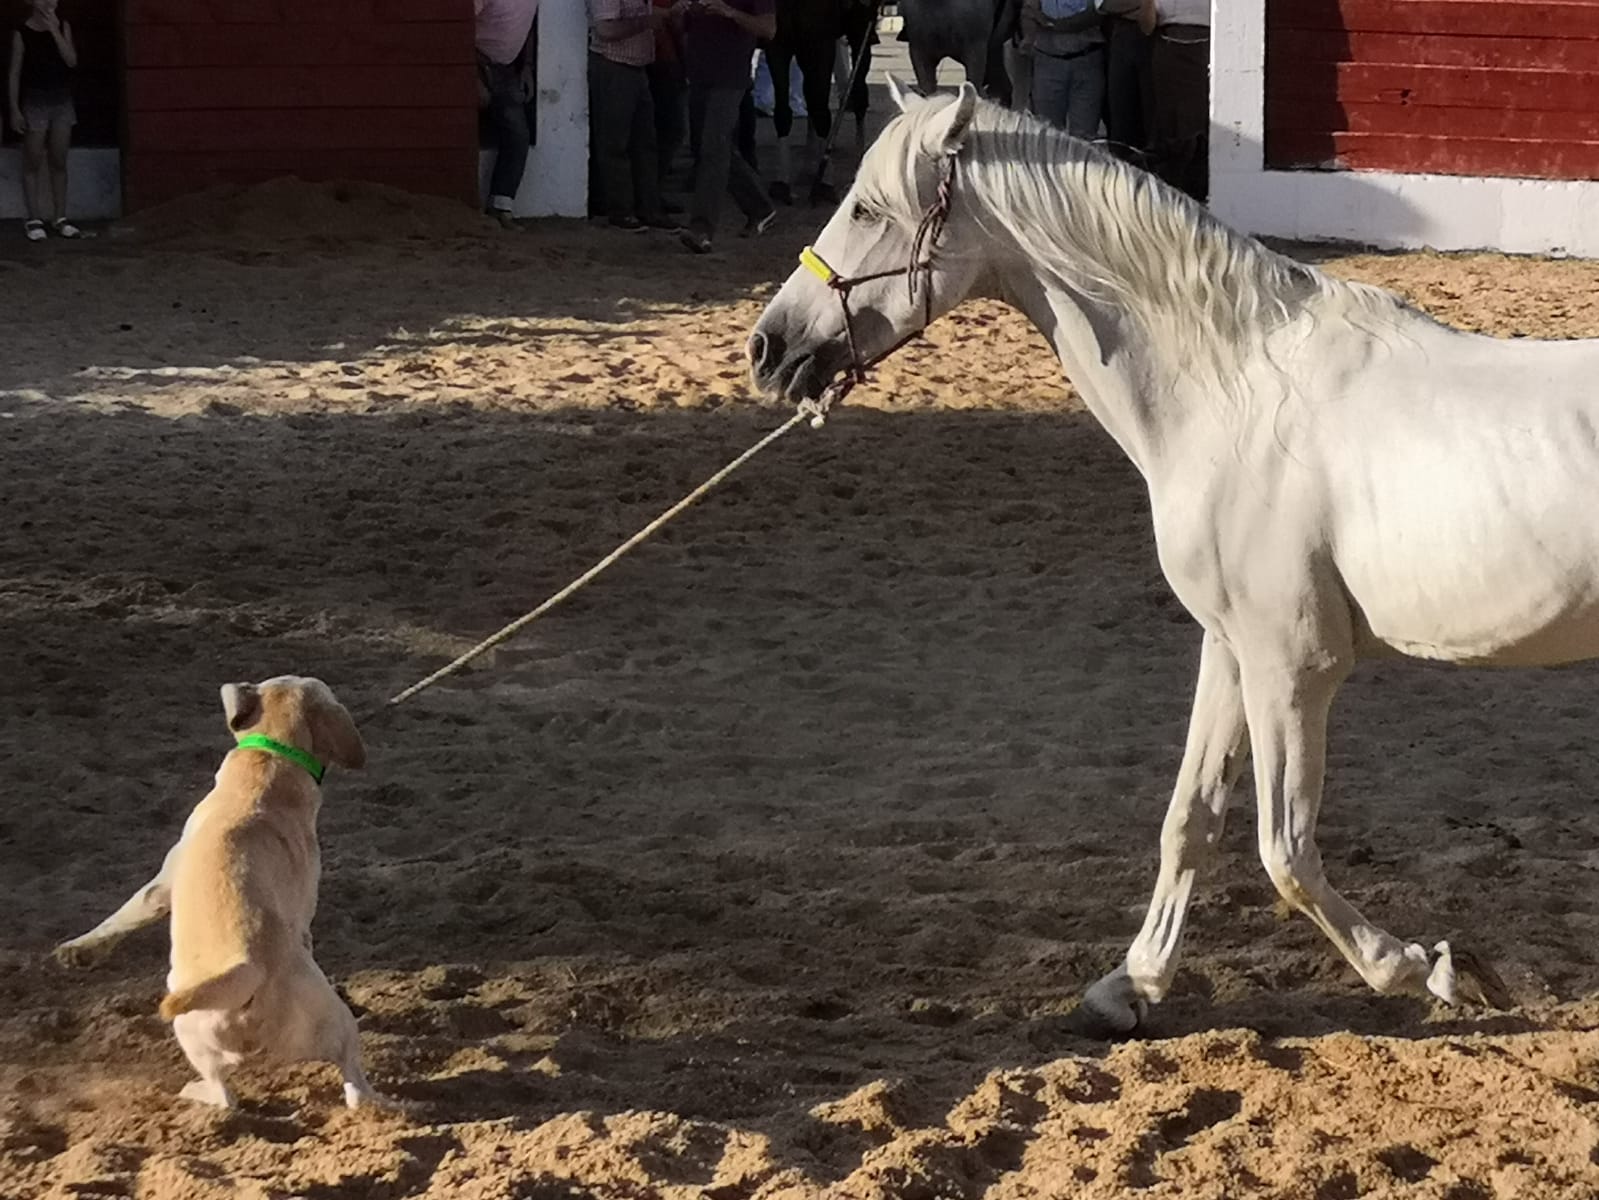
point(44, 109)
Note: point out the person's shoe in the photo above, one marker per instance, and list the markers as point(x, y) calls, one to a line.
point(34, 231)
point(664, 222)
point(505, 220)
point(780, 192)
point(627, 224)
point(756, 226)
point(699, 243)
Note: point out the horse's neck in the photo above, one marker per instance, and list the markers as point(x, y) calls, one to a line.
point(1127, 388)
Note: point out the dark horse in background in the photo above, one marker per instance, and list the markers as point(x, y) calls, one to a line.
point(972, 32)
point(808, 33)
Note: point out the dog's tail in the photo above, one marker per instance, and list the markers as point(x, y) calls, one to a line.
point(231, 989)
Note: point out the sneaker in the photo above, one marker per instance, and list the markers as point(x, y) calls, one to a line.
point(627, 224)
point(664, 222)
point(699, 243)
point(756, 226)
point(34, 231)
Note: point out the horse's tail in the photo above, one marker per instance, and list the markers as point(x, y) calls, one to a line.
point(231, 989)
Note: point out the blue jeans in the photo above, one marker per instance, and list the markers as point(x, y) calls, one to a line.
point(1070, 92)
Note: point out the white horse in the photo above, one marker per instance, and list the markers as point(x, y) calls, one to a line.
point(1333, 475)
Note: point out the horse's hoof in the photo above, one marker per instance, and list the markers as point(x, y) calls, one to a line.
point(1459, 975)
point(1111, 1009)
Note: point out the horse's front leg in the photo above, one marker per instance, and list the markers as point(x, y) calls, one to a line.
point(1217, 741)
point(1287, 706)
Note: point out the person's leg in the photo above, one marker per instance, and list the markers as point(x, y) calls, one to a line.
point(610, 125)
point(860, 34)
point(715, 113)
point(816, 71)
point(1180, 141)
point(1124, 88)
point(642, 155)
point(666, 93)
point(1051, 87)
point(745, 142)
point(512, 138)
point(1087, 100)
point(36, 171)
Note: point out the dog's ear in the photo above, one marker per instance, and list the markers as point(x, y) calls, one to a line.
point(242, 704)
point(334, 735)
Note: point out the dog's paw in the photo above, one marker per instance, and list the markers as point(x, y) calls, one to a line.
point(355, 1097)
point(77, 954)
point(217, 1095)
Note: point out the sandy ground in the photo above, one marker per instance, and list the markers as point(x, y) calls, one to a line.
point(774, 864)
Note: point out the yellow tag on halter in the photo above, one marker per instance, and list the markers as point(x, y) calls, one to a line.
point(813, 263)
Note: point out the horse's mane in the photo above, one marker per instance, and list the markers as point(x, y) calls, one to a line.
point(1207, 296)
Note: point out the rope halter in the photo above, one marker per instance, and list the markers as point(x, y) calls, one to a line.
point(918, 271)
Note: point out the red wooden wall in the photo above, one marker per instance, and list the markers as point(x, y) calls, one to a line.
point(95, 29)
point(240, 91)
point(1454, 87)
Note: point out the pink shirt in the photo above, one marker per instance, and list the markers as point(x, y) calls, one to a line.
point(502, 27)
point(637, 50)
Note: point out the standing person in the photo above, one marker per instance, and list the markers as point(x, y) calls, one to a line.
point(622, 113)
point(43, 58)
point(504, 88)
point(1068, 81)
point(719, 48)
point(1129, 85)
point(1179, 134)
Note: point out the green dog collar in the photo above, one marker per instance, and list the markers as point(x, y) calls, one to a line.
point(259, 741)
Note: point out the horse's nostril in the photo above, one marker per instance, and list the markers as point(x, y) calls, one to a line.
point(765, 351)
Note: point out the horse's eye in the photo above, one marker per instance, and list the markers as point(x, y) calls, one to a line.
point(861, 213)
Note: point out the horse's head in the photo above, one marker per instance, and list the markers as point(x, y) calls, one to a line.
point(886, 252)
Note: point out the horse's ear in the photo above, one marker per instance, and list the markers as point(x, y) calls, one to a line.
point(949, 130)
point(901, 100)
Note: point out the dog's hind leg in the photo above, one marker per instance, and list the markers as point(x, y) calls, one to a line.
point(328, 1033)
point(196, 1033)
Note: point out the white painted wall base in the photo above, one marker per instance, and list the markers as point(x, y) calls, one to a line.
point(556, 182)
point(94, 184)
point(1441, 212)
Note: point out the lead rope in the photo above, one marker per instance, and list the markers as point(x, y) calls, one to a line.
point(814, 411)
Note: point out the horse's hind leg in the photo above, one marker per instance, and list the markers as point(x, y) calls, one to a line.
point(1287, 705)
point(1214, 757)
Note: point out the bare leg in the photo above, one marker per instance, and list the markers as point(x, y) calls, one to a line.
point(146, 906)
point(35, 181)
point(1214, 757)
point(1288, 706)
point(60, 145)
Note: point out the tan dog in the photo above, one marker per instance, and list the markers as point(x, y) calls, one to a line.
point(242, 887)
